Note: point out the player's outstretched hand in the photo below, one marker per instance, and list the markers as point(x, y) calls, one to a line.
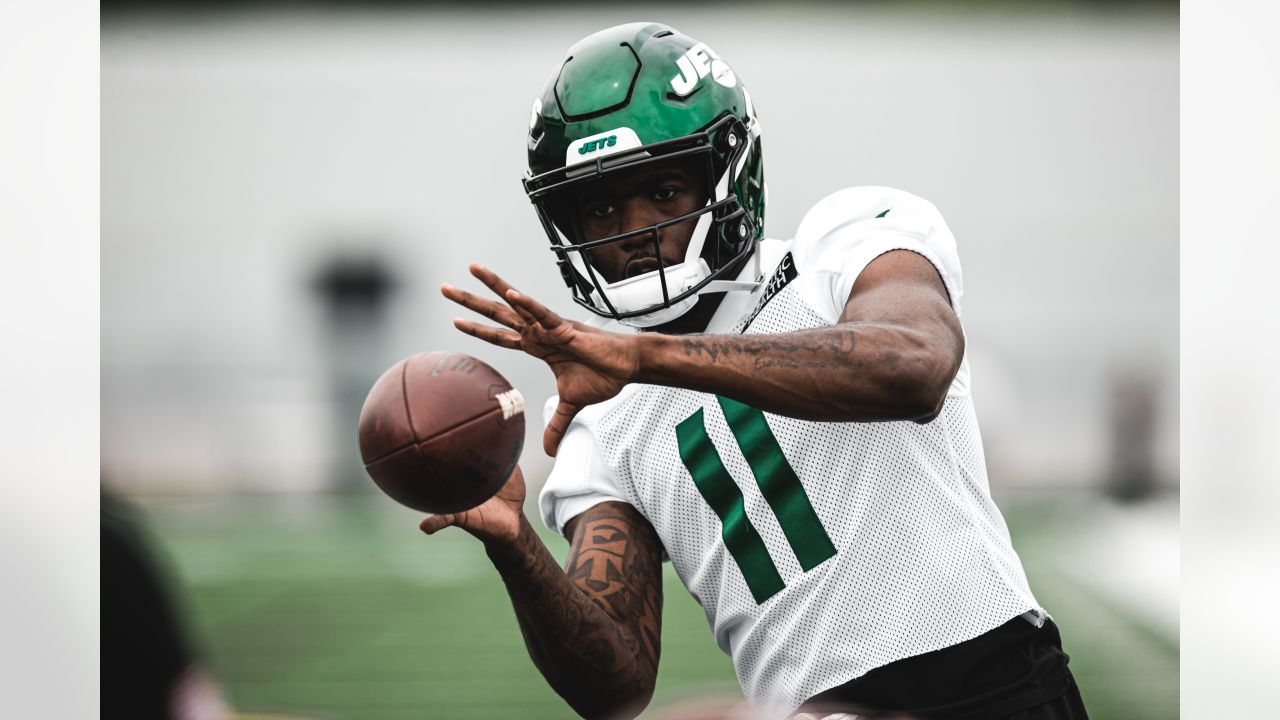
point(590, 365)
point(495, 520)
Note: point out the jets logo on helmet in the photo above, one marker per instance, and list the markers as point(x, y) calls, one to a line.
point(625, 97)
point(696, 64)
point(605, 143)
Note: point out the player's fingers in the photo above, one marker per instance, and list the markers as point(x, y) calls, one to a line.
point(498, 312)
point(496, 336)
point(559, 425)
point(539, 312)
point(491, 280)
point(499, 287)
point(495, 311)
point(436, 523)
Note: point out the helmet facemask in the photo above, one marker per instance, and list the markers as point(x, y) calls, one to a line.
point(722, 235)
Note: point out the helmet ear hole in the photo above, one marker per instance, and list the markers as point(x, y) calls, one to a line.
point(728, 235)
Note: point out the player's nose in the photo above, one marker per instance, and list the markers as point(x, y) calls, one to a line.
point(634, 215)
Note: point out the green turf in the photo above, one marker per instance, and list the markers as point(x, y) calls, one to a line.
point(1127, 667)
point(336, 607)
point(342, 609)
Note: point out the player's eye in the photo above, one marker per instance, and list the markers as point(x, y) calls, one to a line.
point(600, 210)
point(666, 193)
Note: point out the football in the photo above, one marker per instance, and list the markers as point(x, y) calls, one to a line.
point(440, 432)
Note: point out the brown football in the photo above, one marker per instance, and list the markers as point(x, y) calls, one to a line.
point(440, 432)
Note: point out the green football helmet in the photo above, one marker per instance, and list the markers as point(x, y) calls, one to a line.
point(624, 98)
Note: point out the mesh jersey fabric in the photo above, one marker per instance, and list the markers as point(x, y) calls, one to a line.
point(920, 557)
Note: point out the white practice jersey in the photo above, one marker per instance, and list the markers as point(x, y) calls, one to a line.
point(818, 550)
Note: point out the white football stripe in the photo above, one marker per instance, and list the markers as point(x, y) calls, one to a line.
point(512, 403)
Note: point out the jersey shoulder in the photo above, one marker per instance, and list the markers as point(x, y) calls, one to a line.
point(847, 229)
point(859, 206)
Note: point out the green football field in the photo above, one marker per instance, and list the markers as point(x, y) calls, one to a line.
point(337, 607)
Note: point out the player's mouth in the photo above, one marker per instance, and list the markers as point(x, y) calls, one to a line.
point(640, 266)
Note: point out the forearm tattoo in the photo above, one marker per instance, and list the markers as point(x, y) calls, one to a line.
point(817, 349)
point(593, 629)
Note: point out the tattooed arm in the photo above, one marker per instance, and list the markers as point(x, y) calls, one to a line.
point(892, 356)
point(593, 630)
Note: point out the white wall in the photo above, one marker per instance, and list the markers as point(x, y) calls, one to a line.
point(239, 149)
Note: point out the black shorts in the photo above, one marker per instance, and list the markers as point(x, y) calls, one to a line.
point(1017, 672)
point(1067, 707)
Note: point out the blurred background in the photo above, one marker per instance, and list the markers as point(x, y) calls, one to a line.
point(285, 187)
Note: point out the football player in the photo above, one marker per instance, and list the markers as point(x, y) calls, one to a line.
point(788, 422)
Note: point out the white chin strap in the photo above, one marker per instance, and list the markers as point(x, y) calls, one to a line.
point(640, 290)
point(729, 286)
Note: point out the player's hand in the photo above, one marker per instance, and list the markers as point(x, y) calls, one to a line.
point(495, 520)
point(590, 365)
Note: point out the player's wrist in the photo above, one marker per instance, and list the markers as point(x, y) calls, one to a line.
point(651, 349)
point(508, 541)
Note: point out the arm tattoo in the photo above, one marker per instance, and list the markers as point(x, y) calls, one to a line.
point(605, 568)
point(592, 630)
point(826, 348)
point(892, 354)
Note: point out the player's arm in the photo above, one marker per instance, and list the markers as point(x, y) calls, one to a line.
point(892, 355)
point(592, 629)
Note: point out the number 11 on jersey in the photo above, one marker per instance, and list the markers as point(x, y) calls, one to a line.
point(778, 484)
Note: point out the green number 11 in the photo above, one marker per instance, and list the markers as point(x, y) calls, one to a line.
point(778, 483)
